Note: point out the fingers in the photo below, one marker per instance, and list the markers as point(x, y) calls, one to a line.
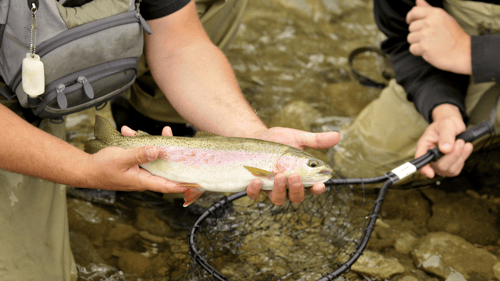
point(422, 3)
point(427, 171)
point(253, 190)
point(295, 188)
point(139, 155)
point(420, 11)
point(417, 13)
point(317, 189)
point(447, 135)
point(278, 194)
point(319, 140)
point(452, 164)
point(159, 184)
point(127, 132)
point(167, 131)
point(416, 26)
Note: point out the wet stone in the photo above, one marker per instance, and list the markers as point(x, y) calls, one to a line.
point(409, 278)
point(453, 258)
point(405, 242)
point(374, 264)
point(496, 270)
point(134, 263)
point(147, 220)
point(406, 205)
point(83, 250)
point(474, 219)
point(298, 115)
point(347, 98)
point(88, 219)
point(121, 232)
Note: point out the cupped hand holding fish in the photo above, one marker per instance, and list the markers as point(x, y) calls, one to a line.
point(298, 139)
point(210, 162)
point(122, 168)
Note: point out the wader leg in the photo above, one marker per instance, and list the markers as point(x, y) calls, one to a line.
point(34, 234)
point(383, 136)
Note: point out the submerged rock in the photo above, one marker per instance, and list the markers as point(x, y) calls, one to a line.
point(376, 265)
point(134, 263)
point(83, 250)
point(121, 232)
point(453, 258)
point(149, 221)
point(297, 115)
point(348, 98)
point(405, 242)
point(471, 218)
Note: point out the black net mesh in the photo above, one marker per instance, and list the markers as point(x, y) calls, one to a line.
point(241, 239)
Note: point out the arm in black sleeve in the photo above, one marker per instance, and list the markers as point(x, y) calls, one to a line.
point(424, 84)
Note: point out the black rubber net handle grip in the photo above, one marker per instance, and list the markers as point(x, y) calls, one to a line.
point(470, 135)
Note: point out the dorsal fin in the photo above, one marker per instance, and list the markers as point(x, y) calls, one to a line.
point(104, 131)
point(140, 133)
point(201, 134)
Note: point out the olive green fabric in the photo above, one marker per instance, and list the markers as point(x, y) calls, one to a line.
point(34, 239)
point(92, 11)
point(385, 133)
point(220, 19)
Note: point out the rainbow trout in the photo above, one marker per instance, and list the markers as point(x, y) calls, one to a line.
point(209, 162)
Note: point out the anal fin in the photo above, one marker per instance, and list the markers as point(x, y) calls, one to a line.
point(193, 192)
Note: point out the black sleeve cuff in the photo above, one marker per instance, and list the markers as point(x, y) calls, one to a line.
point(485, 58)
point(151, 10)
point(433, 94)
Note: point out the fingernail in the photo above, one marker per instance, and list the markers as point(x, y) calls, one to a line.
point(446, 146)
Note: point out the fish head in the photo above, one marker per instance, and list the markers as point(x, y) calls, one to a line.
point(310, 168)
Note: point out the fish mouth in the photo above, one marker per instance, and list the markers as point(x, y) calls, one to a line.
point(326, 172)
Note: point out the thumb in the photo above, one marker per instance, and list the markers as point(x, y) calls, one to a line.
point(140, 155)
point(319, 140)
point(423, 3)
point(446, 137)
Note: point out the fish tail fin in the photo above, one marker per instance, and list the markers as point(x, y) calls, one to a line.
point(104, 131)
point(191, 194)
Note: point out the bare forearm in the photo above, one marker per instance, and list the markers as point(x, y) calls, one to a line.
point(211, 100)
point(28, 150)
point(196, 77)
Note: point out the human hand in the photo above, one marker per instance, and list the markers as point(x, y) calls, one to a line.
point(437, 37)
point(298, 139)
point(447, 124)
point(116, 168)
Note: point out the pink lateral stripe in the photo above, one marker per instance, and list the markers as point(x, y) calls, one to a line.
point(205, 157)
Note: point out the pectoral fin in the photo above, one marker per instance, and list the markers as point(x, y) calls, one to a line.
point(193, 192)
point(260, 173)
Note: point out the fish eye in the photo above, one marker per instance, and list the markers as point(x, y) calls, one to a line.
point(313, 164)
